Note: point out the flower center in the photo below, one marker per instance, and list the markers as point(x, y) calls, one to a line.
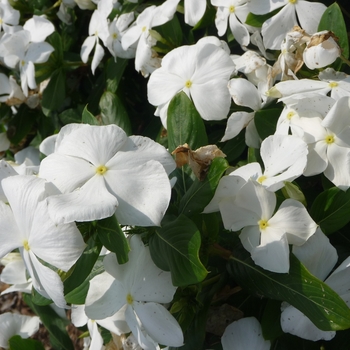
point(129, 299)
point(333, 84)
point(263, 224)
point(261, 179)
point(290, 115)
point(293, 1)
point(329, 139)
point(23, 62)
point(115, 36)
point(144, 28)
point(232, 9)
point(26, 245)
point(188, 84)
point(101, 170)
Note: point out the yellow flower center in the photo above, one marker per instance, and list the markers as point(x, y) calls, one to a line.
point(129, 299)
point(26, 245)
point(188, 84)
point(293, 1)
point(232, 9)
point(333, 84)
point(23, 62)
point(262, 178)
point(329, 139)
point(290, 115)
point(263, 224)
point(115, 36)
point(144, 28)
point(101, 170)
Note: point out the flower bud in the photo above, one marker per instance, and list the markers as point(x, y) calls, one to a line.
point(321, 50)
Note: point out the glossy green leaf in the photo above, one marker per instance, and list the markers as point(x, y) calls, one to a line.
point(266, 121)
point(175, 248)
point(258, 20)
point(299, 287)
point(271, 320)
point(70, 116)
point(112, 237)
point(333, 20)
point(55, 92)
point(84, 265)
point(235, 147)
point(171, 32)
point(88, 118)
point(55, 325)
point(77, 296)
point(184, 123)
point(200, 193)
point(331, 209)
point(18, 343)
point(21, 124)
point(114, 73)
point(114, 112)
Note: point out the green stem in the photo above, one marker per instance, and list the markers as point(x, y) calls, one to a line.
point(345, 60)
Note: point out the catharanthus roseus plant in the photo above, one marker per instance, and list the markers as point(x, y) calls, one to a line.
point(174, 174)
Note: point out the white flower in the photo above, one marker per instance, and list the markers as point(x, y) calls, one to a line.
point(101, 171)
point(26, 225)
point(235, 12)
point(244, 334)
point(321, 51)
point(202, 71)
point(275, 28)
point(137, 288)
point(14, 324)
point(264, 234)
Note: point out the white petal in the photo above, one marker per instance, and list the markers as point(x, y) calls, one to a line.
point(339, 279)
point(273, 253)
point(93, 201)
point(98, 55)
point(194, 11)
point(275, 28)
point(295, 322)
point(293, 219)
point(105, 297)
point(47, 282)
point(78, 316)
point(87, 47)
point(159, 324)
point(143, 193)
point(309, 15)
point(244, 93)
point(39, 27)
point(96, 338)
point(239, 30)
point(244, 334)
point(59, 245)
point(38, 52)
point(317, 248)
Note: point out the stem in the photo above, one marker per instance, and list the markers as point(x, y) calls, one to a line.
point(216, 249)
point(56, 4)
point(211, 280)
point(345, 60)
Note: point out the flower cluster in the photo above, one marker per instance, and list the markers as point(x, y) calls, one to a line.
point(166, 168)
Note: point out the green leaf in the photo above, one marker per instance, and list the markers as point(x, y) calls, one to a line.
point(70, 116)
point(78, 295)
point(299, 287)
point(18, 343)
point(258, 20)
point(84, 265)
point(112, 237)
point(38, 299)
point(270, 323)
point(333, 20)
point(21, 124)
point(55, 92)
point(235, 147)
point(200, 193)
point(114, 73)
point(331, 209)
point(88, 118)
point(266, 121)
point(55, 325)
point(184, 124)
point(291, 190)
point(175, 248)
point(114, 112)
point(172, 32)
